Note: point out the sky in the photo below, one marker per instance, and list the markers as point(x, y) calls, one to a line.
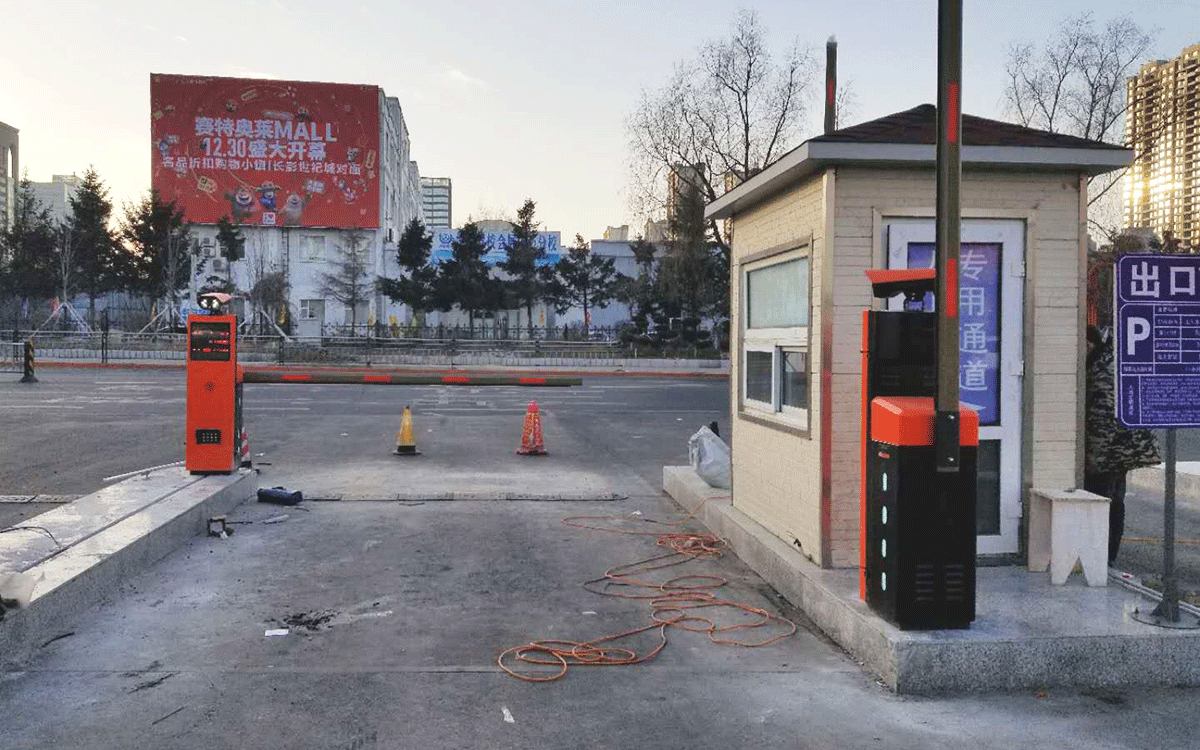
point(511, 99)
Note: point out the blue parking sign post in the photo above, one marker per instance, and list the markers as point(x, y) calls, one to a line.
point(1156, 307)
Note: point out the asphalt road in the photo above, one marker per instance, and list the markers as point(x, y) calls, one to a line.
point(66, 433)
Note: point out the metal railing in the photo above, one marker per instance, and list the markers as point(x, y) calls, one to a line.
point(12, 354)
point(370, 350)
point(348, 350)
point(479, 332)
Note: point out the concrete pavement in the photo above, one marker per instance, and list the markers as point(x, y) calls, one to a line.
point(422, 600)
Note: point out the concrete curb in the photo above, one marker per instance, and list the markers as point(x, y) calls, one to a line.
point(1151, 480)
point(138, 522)
point(986, 658)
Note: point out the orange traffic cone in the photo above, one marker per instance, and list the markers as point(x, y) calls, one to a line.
point(406, 441)
point(531, 435)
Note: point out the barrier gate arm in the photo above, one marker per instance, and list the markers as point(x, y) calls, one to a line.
point(319, 377)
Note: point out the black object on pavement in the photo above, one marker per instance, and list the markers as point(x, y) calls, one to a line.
point(279, 496)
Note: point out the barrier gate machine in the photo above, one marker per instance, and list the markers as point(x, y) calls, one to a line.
point(215, 380)
point(917, 514)
point(917, 532)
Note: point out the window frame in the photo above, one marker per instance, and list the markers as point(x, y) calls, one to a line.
point(777, 341)
point(306, 246)
point(307, 305)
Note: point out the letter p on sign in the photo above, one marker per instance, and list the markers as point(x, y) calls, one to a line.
point(1136, 329)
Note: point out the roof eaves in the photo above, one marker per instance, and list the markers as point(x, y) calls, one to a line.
point(813, 155)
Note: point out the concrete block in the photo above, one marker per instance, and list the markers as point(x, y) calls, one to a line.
point(145, 519)
point(1150, 480)
point(688, 489)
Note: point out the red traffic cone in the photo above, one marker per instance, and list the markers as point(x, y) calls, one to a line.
point(244, 458)
point(531, 435)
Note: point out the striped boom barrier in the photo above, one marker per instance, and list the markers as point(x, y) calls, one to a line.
point(316, 377)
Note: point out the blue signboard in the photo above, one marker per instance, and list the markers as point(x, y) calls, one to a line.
point(978, 323)
point(443, 240)
point(1157, 341)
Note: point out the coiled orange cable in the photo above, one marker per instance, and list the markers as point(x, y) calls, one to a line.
point(674, 603)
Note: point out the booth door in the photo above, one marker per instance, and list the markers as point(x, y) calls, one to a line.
point(991, 367)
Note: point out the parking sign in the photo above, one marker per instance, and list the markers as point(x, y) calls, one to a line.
point(1157, 343)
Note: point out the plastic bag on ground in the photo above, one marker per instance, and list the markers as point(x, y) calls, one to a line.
point(709, 457)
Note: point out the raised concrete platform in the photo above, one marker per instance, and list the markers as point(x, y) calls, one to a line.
point(1027, 633)
point(1152, 478)
point(100, 540)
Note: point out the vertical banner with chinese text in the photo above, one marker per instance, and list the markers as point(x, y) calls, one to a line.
point(979, 323)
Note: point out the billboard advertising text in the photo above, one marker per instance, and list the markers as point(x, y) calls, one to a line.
point(266, 153)
point(497, 242)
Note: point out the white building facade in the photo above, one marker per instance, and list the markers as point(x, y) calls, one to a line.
point(437, 194)
point(56, 195)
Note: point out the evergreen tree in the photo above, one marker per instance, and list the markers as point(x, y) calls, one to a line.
point(466, 280)
point(644, 293)
point(233, 246)
point(93, 240)
point(526, 282)
point(581, 279)
point(27, 249)
point(694, 273)
point(416, 287)
point(157, 259)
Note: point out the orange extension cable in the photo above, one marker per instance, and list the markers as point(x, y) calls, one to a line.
point(676, 602)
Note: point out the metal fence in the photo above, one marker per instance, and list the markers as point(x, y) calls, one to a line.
point(12, 356)
point(345, 350)
point(476, 333)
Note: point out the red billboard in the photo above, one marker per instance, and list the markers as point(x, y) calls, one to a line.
point(266, 153)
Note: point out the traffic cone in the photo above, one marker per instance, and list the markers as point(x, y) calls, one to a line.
point(531, 435)
point(406, 442)
point(244, 459)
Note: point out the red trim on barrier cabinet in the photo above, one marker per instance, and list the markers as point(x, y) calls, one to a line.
point(862, 463)
point(295, 376)
point(460, 380)
point(377, 378)
point(532, 381)
point(909, 420)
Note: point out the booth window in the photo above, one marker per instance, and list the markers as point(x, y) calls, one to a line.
point(775, 366)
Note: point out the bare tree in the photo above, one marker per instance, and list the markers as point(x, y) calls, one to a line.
point(66, 258)
point(845, 105)
point(722, 117)
point(349, 283)
point(268, 287)
point(1074, 83)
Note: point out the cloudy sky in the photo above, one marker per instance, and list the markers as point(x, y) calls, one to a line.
point(510, 99)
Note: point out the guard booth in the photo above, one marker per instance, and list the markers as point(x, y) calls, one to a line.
point(806, 228)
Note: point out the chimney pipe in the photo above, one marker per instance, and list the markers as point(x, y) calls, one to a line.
point(830, 84)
